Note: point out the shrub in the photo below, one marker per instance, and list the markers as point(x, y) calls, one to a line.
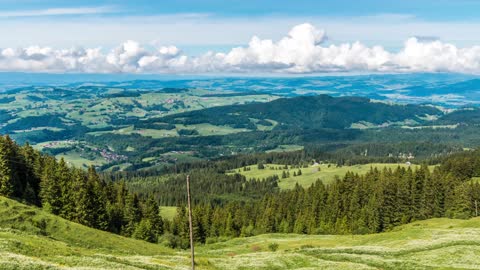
point(306, 247)
point(175, 241)
point(273, 247)
point(41, 225)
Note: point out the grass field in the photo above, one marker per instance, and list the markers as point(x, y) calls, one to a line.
point(324, 172)
point(168, 212)
point(75, 158)
point(203, 130)
point(33, 239)
point(206, 129)
point(286, 148)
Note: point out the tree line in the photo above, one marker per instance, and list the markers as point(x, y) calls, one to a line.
point(355, 204)
point(232, 206)
point(74, 194)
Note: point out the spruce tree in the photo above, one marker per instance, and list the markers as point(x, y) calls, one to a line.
point(132, 214)
point(50, 192)
point(6, 178)
point(462, 205)
point(151, 213)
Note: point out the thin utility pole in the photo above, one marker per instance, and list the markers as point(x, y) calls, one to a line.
point(190, 222)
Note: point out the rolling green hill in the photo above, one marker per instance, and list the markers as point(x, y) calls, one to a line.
point(307, 112)
point(124, 126)
point(33, 239)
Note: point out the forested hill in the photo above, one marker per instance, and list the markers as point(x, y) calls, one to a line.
point(227, 205)
point(306, 112)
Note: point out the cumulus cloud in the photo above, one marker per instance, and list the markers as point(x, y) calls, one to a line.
point(302, 50)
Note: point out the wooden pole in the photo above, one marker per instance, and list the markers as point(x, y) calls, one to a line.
point(190, 222)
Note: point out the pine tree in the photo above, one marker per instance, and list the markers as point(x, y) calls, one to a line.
point(132, 214)
point(199, 230)
point(151, 213)
point(145, 231)
point(50, 192)
point(181, 228)
point(63, 177)
point(31, 160)
point(82, 197)
point(230, 227)
point(461, 207)
point(300, 226)
point(6, 178)
point(99, 199)
point(417, 191)
point(404, 213)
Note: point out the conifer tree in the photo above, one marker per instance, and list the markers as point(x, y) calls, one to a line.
point(63, 177)
point(83, 211)
point(6, 177)
point(132, 214)
point(50, 192)
point(151, 213)
point(461, 206)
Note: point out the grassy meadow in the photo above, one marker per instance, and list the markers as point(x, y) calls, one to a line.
point(324, 172)
point(33, 239)
point(168, 212)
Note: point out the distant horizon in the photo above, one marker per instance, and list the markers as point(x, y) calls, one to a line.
point(119, 77)
point(445, 89)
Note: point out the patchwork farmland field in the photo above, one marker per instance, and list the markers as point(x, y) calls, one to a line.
point(68, 120)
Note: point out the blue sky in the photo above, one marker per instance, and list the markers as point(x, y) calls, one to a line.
point(272, 18)
point(43, 30)
point(425, 9)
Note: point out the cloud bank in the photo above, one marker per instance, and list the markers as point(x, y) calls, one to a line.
point(303, 50)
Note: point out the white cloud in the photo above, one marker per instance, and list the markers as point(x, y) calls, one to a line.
point(302, 50)
point(56, 12)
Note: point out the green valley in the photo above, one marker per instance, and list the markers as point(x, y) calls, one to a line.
point(140, 124)
point(93, 177)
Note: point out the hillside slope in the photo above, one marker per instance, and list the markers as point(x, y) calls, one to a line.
point(431, 244)
point(33, 239)
point(307, 112)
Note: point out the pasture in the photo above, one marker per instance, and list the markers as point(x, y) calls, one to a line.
point(33, 239)
point(324, 172)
